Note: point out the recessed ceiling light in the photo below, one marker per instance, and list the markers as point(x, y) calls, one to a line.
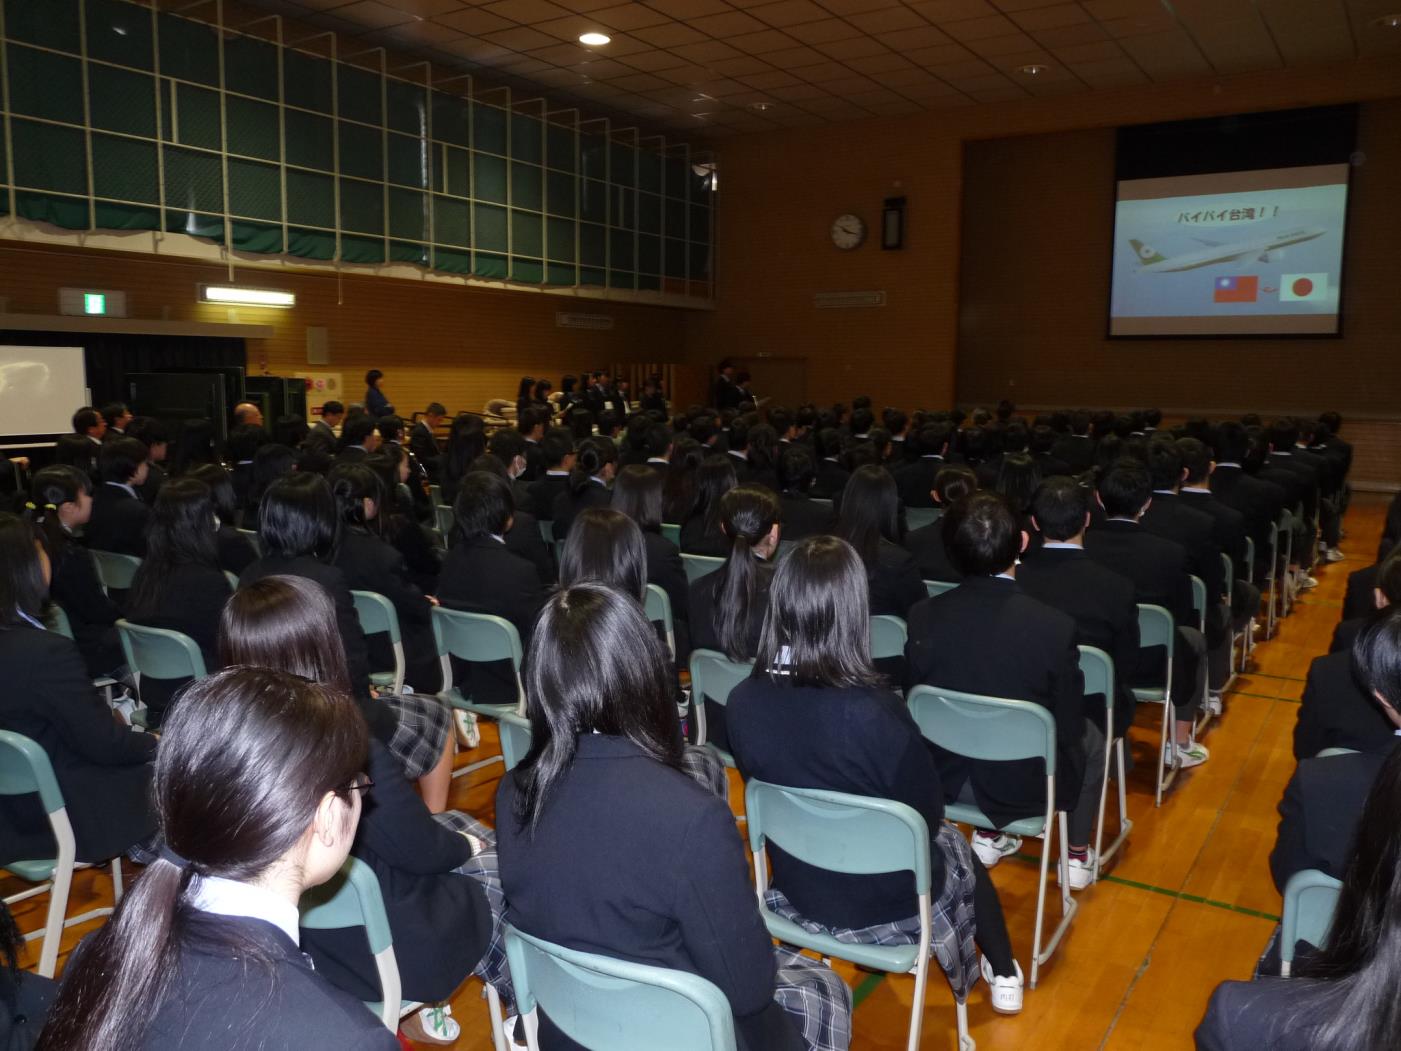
point(594, 39)
point(760, 107)
point(1035, 69)
point(1388, 21)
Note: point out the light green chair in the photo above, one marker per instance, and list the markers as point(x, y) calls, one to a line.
point(1156, 628)
point(443, 519)
point(25, 770)
point(435, 494)
point(115, 570)
point(1097, 668)
point(1328, 753)
point(938, 587)
point(515, 738)
point(378, 615)
point(159, 653)
point(606, 1004)
point(919, 517)
point(672, 532)
point(1199, 601)
point(713, 676)
point(657, 605)
point(1310, 899)
point(547, 531)
point(59, 624)
point(999, 729)
point(888, 635)
point(1239, 639)
point(698, 566)
point(232, 578)
point(254, 539)
point(477, 638)
point(858, 835)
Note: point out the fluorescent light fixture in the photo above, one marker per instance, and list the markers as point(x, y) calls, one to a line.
point(236, 295)
point(1035, 69)
point(594, 39)
point(1388, 21)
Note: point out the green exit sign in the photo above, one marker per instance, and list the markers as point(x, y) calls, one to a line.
point(94, 303)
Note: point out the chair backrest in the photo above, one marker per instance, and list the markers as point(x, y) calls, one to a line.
point(1229, 569)
point(1097, 667)
point(714, 675)
point(547, 531)
point(919, 517)
point(254, 539)
point(232, 578)
point(979, 727)
point(435, 494)
point(478, 638)
point(58, 621)
point(160, 652)
point(657, 605)
point(1199, 601)
point(116, 570)
point(617, 1005)
point(838, 831)
point(376, 614)
point(888, 635)
point(25, 770)
point(443, 519)
point(1328, 753)
point(1310, 898)
point(1155, 627)
point(1250, 559)
point(352, 898)
point(698, 566)
point(515, 738)
point(672, 532)
point(938, 587)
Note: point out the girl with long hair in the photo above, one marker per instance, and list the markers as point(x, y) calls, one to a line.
point(525, 394)
point(445, 923)
point(603, 780)
point(679, 493)
point(700, 528)
point(595, 464)
point(817, 714)
point(638, 493)
point(466, 441)
point(236, 551)
point(398, 523)
point(869, 520)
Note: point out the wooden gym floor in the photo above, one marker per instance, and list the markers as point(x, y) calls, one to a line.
point(1187, 903)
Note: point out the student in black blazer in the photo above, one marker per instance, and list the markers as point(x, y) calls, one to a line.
point(869, 520)
point(524, 537)
point(423, 438)
point(987, 636)
point(481, 575)
point(802, 515)
point(180, 585)
point(1258, 500)
point(637, 493)
point(1228, 528)
point(102, 767)
point(1100, 601)
point(1336, 712)
point(259, 792)
point(832, 474)
point(926, 544)
point(557, 449)
point(915, 481)
point(595, 464)
point(816, 714)
point(398, 526)
point(236, 551)
point(119, 518)
point(700, 528)
point(614, 788)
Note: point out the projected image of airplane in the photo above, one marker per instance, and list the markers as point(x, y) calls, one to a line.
point(1153, 262)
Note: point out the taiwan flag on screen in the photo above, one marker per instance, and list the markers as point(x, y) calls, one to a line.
point(1237, 289)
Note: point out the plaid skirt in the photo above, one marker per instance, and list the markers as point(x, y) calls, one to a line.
point(953, 925)
point(482, 867)
point(703, 765)
point(815, 998)
point(423, 724)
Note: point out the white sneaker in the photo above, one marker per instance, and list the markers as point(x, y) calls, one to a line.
point(1189, 755)
point(1005, 993)
point(433, 1025)
point(1213, 703)
point(468, 735)
point(992, 849)
point(1082, 873)
point(1305, 582)
point(1333, 555)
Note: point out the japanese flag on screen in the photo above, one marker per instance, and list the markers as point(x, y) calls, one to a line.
point(1297, 288)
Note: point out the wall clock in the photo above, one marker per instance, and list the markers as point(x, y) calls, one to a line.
point(848, 231)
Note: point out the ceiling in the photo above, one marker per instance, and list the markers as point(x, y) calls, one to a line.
point(717, 67)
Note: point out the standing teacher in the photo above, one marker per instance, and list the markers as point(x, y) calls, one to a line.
point(376, 404)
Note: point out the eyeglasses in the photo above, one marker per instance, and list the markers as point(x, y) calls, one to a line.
point(360, 784)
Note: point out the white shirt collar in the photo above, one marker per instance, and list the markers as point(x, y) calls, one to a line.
point(740, 454)
point(1195, 489)
point(1227, 463)
point(25, 616)
point(123, 485)
point(1056, 545)
point(1281, 452)
point(1163, 492)
point(558, 474)
point(658, 459)
point(1123, 518)
point(95, 441)
point(1005, 576)
point(498, 538)
point(600, 481)
point(226, 897)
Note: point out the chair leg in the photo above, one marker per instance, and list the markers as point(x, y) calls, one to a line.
point(917, 1011)
point(965, 1039)
point(498, 1026)
point(1040, 907)
point(116, 882)
point(58, 909)
point(1103, 854)
point(1163, 747)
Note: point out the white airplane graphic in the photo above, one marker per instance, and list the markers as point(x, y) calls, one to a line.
point(1216, 252)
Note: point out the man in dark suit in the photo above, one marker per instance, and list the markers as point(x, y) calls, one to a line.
point(987, 636)
point(726, 394)
point(531, 425)
point(1076, 449)
point(1283, 437)
point(119, 518)
point(1158, 569)
point(1258, 500)
point(1228, 527)
point(359, 438)
point(953, 482)
point(1100, 601)
point(557, 448)
point(802, 516)
point(424, 442)
point(832, 474)
point(514, 451)
point(323, 430)
point(915, 481)
point(1042, 445)
point(739, 447)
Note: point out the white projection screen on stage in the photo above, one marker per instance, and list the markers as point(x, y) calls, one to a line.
point(40, 389)
point(1242, 253)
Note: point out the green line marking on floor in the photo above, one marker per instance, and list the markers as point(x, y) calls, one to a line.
point(1182, 895)
point(865, 989)
point(1262, 696)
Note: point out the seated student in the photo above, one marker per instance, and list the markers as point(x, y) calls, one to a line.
point(1100, 601)
point(118, 521)
point(679, 492)
point(300, 532)
point(802, 516)
point(1041, 446)
point(179, 585)
point(926, 544)
point(466, 441)
point(359, 438)
point(1335, 712)
point(832, 474)
point(103, 767)
point(270, 463)
point(1341, 997)
point(531, 426)
point(604, 770)
point(1076, 449)
point(423, 438)
point(637, 493)
point(700, 529)
point(416, 500)
point(595, 464)
point(152, 434)
point(987, 636)
point(410, 538)
point(1258, 500)
point(915, 480)
point(258, 790)
point(1228, 526)
point(1158, 568)
point(816, 714)
point(60, 501)
point(514, 451)
point(557, 449)
point(524, 537)
point(236, 551)
point(763, 456)
point(370, 563)
point(869, 520)
point(482, 575)
point(1386, 591)
point(738, 446)
point(25, 998)
point(1318, 813)
point(239, 452)
point(440, 919)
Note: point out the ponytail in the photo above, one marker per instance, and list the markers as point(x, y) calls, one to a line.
point(747, 515)
point(351, 485)
point(51, 487)
point(593, 456)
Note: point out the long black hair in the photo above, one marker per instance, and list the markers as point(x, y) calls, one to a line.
point(715, 477)
point(298, 517)
point(194, 445)
point(221, 490)
point(352, 484)
point(595, 664)
point(679, 492)
point(22, 587)
point(638, 493)
point(182, 532)
point(605, 545)
point(870, 511)
point(245, 760)
point(748, 514)
point(817, 631)
point(466, 441)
